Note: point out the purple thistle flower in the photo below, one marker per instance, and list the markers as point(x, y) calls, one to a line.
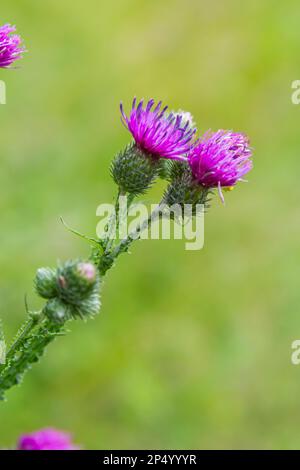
point(46, 439)
point(10, 46)
point(157, 133)
point(220, 159)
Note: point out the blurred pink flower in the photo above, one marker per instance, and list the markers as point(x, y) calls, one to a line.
point(46, 439)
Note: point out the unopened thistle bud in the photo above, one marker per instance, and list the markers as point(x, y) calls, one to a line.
point(75, 280)
point(72, 290)
point(45, 283)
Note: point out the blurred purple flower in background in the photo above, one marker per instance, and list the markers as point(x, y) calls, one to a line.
point(220, 159)
point(10, 46)
point(46, 439)
point(158, 133)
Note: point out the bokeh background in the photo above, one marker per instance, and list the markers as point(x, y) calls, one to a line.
point(192, 349)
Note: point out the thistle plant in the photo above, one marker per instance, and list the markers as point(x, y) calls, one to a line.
point(164, 146)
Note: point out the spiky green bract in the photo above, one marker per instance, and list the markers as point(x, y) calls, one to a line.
point(165, 168)
point(45, 283)
point(183, 189)
point(57, 311)
point(134, 171)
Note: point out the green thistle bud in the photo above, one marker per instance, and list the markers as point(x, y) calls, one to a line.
point(75, 281)
point(134, 171)
point(45, 283)
point(72, 290)
point(57, 311)
point(78, 286)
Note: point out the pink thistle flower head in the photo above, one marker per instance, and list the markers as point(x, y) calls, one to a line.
point(10, 46)
point(220, 159)
point(46, 439)
point(158, 133)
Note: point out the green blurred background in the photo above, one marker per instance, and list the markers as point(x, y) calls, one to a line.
point(192, 349)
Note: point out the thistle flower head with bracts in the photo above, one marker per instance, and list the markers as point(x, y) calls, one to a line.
point(156, 132)
point(10, 46)
point(220, 159)
point(72, 290)
point(46, 439)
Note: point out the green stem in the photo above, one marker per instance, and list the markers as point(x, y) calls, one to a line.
point(107, 260)
point(112, 224)
point(27, 350)
point(115, 225)
point(28, 326)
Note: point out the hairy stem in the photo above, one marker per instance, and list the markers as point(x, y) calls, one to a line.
point(24, 331)
point(28, 349)
point(107, 260)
